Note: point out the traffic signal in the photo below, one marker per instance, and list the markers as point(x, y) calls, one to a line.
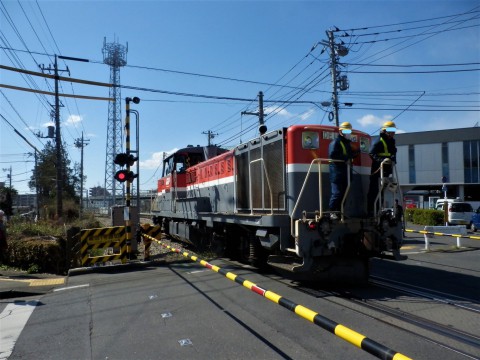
point(125, 175)
point(123, 159)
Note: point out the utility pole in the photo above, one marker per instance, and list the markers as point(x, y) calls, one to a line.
point(37, 194)
point(338, 82)
point(58, 138)
point(210, 136)
point(262, 128)
point(127, 217)
point(9, 176)
point(80, 143)
point(333, 69)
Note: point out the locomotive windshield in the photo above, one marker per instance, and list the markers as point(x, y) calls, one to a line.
point(181, 162)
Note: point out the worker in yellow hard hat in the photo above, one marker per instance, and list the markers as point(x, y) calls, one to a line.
point(340, 154)
point(383, 148)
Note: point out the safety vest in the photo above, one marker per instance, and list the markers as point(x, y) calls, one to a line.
point(344, 149)
point(385, 148)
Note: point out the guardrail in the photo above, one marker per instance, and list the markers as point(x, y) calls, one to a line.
point(429, 234)
point(343, 332)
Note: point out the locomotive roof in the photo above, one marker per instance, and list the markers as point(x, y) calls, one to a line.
point(211, 150)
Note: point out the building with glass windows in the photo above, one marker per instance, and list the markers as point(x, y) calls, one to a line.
point(427, 160)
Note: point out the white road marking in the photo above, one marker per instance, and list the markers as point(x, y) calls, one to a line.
point(196, 271)
point(71, 287)
point(12, 321)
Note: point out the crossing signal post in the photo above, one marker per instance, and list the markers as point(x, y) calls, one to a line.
point(127, 175)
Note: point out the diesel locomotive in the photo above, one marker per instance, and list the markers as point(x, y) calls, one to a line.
point(266, 202)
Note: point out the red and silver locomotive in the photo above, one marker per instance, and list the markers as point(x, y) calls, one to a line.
point(265, 201)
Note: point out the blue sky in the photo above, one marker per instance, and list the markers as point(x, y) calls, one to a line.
point(212, 50)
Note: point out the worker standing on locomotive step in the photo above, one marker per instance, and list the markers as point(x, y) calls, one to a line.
point(339, 149)
point(383, 148)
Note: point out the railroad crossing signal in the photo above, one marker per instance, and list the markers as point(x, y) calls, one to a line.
point(123, 159)
point(125, 175)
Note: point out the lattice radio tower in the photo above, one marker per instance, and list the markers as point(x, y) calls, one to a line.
point(114, 55)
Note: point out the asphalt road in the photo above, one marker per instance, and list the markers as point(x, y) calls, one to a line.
point(185, 311)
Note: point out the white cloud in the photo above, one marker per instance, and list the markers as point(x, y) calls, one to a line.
point(47, 124)
point(73, 120)
point(307, 114)
point(155, 161)
point(372, 120)
point(274, 110)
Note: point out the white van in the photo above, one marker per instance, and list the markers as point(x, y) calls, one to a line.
point(459, 212)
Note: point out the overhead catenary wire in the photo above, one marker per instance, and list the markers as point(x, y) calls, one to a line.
point(281, 89)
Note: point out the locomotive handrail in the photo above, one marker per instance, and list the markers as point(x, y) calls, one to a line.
point(346, 191)
point(398, 186)
point(319, 161)
point(398, 189)
point(268, 183)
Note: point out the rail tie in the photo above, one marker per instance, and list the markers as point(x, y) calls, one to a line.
point(343, 332)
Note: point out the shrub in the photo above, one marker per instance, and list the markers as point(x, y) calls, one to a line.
point(424, 216)
point(44, 254)
point(45, 246)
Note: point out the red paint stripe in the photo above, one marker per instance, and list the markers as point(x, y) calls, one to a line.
point(219, 167)
point(258, 290)
point(207, 265)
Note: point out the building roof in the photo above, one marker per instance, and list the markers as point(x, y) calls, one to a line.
point(438, 136)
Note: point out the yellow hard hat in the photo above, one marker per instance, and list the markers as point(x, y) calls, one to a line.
point(345, 126)
point(389, 124)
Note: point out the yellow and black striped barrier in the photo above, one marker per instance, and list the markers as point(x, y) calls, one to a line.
point(153, 231)
point(428, 234)
point(339, 330)
point(100, 245)
point(442, 234)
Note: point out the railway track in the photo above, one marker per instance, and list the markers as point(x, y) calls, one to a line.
point(442, 319)
point(440, 297)
point(446, 320)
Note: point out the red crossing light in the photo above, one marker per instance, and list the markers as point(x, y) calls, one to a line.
point(124, 175)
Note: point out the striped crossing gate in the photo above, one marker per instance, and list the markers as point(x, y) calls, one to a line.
point(100, 245)
point(154, 232)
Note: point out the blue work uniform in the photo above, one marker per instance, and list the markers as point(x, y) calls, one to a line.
point(383, 148)
point(339, 149)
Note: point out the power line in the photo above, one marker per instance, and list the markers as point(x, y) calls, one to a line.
point(411, 22)
point(409, 65)
point(413, 72)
